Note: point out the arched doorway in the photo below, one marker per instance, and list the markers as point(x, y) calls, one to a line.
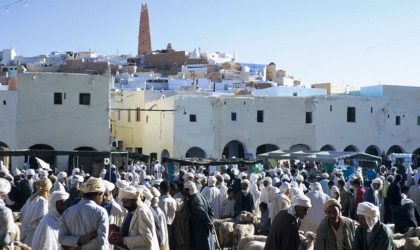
point(395, 149)
point(5, 159)
point(234, 148)
point(88, 163)
point(373, 150)
point(351, 148)
point(44, 155)
point(195, 152)
point(416, 157)
point(300, 147)
point(327, 147)
point(266, 148)
point(164, 155)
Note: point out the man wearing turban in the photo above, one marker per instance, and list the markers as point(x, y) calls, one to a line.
point(201, 219)
point(35, 208)
point(371, 234)
point(46, 234)
point(6, 216)
point(212, 193)
point(138, 230)
point(244, 200)
point(316, 212)
point(335, 232)
point(86, 224)
point(281, 200)
point(284, 231)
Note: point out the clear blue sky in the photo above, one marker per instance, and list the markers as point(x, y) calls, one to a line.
point(354, 42)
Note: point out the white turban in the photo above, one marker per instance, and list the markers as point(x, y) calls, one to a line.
point(216, 173)
point(253, 177)
point(226, 177)
point(42, 174)
point(284, 187)
point(370, 212)
point(316, 186)
point(76, 179)
point(211, 181)
point(301, 200)
point(157, 182)
point(147, 194)
point(299, 177)
point(270, 181)
point(17, 172)
point(192, 188)
point(93, 185)
point(245, 181)
point(109, 186)
point(4, 186)
point(188, 175)
point(130, 193)
point(285, 178)
point(121, 184)
point(61, 175)
point(127, 175)
point(235, 171)
point(325, 175)
point(75, 171)
point(405, 200)
point(30, 172)
point(53, 198)
point(155, 192)
point(242, 174)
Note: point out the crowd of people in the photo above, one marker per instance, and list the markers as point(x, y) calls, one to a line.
point(139, 208)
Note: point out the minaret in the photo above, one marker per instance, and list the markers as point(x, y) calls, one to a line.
point(145, 44)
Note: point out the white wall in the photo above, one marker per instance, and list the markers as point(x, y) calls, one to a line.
point(67, 126)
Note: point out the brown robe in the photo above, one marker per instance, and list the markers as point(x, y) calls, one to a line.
point(283, 234)
point(181, 224)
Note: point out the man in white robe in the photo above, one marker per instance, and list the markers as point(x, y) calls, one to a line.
point(254, 190)
point(7, 223)
point(35, 208)
point(281, 201)
point(61, 182)
point(169, 206)
point(268, 192)
point(46, 234)
point(115, 211)
point(86, 224)
point(212, 194)
point(138, 231)
point(316, 212)
point(220, 184)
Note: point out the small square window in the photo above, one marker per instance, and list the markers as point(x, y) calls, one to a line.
point(119, 115)
point(4, 102)
point(330, 108)
point(137, 114)
point(193, 118)
point(418, 120)
point(351, 114)
point(295, 94)
point(129, 116)
point(398, 120)
point(58, 98)
point(308, 117)
point(260, 116)
point(233, 116)
point(371, 110)
point(84, 99)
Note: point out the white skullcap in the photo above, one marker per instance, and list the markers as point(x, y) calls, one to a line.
point(299, 177)
point(242, 174)
point(42, 174)
point(130, 193)
point(316, 186)
point(216, 173)
point(93, 185)
point(75, 171)
point(284, 187)
point(188, 175)
point(325, 175)
point(211, 181)
point(127, 175)
point(113, 166)
point(370, 212)
point(226, 177)
point(192, 188)
point(4, 186)
point(245, 181)
point(17, 172)
point(301, 200)
point(109, 186)
point(61, 175)
point(405, 200)
point(121, 184)
point(148, 177)
point(30, 172)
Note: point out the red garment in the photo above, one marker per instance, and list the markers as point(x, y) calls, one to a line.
point(359, 197)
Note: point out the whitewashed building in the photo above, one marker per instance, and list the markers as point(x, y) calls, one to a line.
point(378, 119)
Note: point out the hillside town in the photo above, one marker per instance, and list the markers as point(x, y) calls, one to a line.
point(173, 149)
